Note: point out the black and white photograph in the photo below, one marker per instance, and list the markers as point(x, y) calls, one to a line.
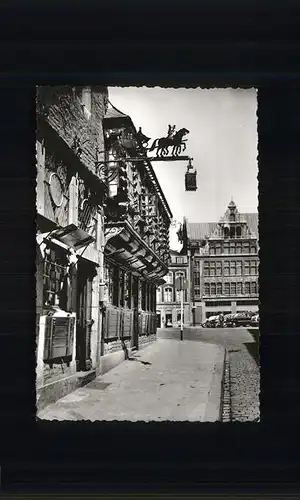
point(147, 254)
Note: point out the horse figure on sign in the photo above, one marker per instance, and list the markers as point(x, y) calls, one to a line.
point(174, 139)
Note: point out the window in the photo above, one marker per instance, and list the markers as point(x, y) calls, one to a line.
point(239, 267)
point(246, 248)
point(86, 101)
point(226, 232)
point(206, 289)
point(238, 247)
point(115, 286)
point(239, 288)
point(232, 268)
point(55, 268)
point(219, 268)
point(226, 248)
point(144, 295)
point(232, 217)
point(197, 264)
point(218, 249)
point(169, 278)
point(212, 250)
point(158, 295)
point(212, 269)
point(254, 266)
point(226, 288)
point(179, 260)
point(121, 285)
point(232, 248)
point(232, 232)
point(178, 296)
point(197, 291)
point(238, 231)
point(253, 287)
point(233, 288)
point(196, 279)
point(253, 248)
point(247, 288)
point(213, 288)
point(226, 268)
point(219, 288)
point(246, 267)
point(206, 268)
point(168, 294)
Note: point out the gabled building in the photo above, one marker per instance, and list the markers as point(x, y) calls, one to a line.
point(223, 264)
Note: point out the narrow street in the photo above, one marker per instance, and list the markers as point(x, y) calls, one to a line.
point(167, 380)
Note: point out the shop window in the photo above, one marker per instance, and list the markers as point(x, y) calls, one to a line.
point(168, 292)
point(219, 288)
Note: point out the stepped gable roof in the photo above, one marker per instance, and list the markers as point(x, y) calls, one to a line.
point(199, 230)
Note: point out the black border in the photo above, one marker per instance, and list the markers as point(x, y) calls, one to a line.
point(241, 48)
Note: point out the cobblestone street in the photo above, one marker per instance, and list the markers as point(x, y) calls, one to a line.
point(167, 380)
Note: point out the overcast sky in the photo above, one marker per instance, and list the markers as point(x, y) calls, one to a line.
point(222, 141)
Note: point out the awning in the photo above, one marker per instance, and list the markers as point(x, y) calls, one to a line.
point(70, 236)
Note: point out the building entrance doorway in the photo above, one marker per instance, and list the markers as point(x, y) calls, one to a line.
point(158, 320)
point(85, 273)
point(169, 320)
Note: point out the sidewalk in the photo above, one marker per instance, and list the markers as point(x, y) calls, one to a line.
point(167, 380)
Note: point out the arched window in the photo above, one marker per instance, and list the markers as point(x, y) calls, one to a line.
point(232, 232)
point(238, 231)
point(168, 294)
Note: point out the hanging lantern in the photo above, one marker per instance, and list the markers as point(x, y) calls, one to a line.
point(190, 177)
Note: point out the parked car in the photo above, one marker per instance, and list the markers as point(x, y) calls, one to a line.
point(211, 322)
point(255, 320)
point(228, 320)
point(241, 319)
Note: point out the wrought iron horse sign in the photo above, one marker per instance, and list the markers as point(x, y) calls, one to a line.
point(174, 139)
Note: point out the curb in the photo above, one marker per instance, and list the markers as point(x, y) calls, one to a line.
point(225, 407)
point(214, 404)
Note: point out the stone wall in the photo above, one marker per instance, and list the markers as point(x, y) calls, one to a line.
point(62, 107)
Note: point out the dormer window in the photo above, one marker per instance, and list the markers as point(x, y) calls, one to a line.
point(232, 217)
point(238, 231)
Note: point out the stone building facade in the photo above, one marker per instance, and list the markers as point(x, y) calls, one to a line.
point(223, 264)
point(168, 298)
point(102, 239)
